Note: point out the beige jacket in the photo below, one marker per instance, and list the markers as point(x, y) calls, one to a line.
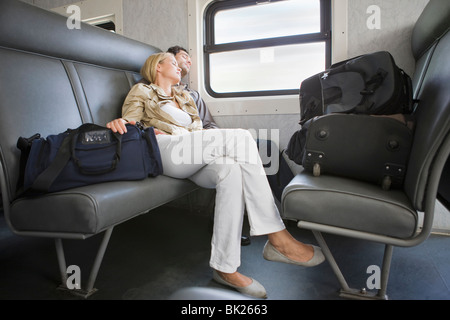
point(143, 104)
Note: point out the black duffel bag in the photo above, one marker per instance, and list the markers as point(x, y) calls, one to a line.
point(367, 84)
point(87, 155)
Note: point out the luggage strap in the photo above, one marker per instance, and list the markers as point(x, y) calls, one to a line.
point(375, 82)
point(48, 176)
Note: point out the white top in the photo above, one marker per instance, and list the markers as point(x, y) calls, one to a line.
point(177, 114)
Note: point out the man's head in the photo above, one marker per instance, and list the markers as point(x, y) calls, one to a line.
point(183, 59)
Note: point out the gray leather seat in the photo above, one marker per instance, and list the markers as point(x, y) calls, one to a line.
point(359, 210)
point(51, 79)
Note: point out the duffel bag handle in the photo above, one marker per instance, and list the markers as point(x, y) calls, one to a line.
point(97, 135)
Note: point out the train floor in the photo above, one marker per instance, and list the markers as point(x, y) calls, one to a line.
point(153, 256)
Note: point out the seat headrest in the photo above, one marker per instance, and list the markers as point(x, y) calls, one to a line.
point(29, 28)
point(432, 24)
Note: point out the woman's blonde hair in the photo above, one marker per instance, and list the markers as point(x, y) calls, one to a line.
point(148, 70)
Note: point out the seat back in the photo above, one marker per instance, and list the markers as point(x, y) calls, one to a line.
point(431, 45)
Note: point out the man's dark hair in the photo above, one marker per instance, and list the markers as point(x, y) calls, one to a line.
point(176, 49)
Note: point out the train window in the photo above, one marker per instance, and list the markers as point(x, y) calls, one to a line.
point(255, 48)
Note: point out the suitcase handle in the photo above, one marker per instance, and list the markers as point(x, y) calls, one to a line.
point(99, 134)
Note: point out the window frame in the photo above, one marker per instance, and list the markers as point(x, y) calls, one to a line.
point(209, 46)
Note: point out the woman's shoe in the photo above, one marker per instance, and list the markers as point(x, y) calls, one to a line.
point(272, 254)
point(255, 289)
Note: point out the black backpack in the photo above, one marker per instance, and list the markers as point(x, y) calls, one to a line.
point(368, 84)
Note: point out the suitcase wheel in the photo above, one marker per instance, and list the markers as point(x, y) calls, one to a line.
point(316, 170)
point(386, 183)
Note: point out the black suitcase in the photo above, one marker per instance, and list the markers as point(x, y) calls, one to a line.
point(369, 148)
point(368, 84)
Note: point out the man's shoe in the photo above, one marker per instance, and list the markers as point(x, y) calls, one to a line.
point(245, 241)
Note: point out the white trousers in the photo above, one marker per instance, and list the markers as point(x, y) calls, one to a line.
point(227, 160)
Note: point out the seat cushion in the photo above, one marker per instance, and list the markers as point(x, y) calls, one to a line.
point(350, 204)
point(84, 211)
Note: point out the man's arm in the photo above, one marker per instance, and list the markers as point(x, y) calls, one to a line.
point(203, 111)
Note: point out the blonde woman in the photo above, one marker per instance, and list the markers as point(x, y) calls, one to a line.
point(224, 159)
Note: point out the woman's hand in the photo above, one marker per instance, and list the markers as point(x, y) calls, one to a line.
point(158, 131)
point(118, 125)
